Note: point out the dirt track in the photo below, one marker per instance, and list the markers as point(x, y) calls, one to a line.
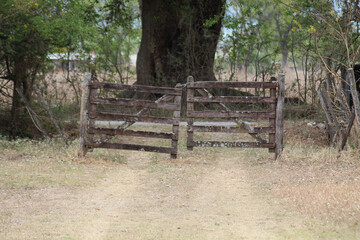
point(46, 192)
point(150, 199)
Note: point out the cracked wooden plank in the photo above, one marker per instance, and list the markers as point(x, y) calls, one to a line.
point(233, 144)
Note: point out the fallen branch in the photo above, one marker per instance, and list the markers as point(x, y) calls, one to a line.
point(348, 130)
point(33, 115)
point(46, 106)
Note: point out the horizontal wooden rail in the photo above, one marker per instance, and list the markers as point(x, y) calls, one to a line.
point(232, 99)
point(228, 129)
point(137, 88)
point(132, 147)
point(232, 144)
point(222, 106)
point(236, 114)
point(136, 103)
point(112, 132)
point(92, 104)
point(197, 92)
point(126, 117)
point(207, 84)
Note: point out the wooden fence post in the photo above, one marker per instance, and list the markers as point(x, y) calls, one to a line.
point(189, 110)
point(272, 121)
point(355, 96)
point(175, 128)
point(84, 114)
point(92, 110)
point(279, 132)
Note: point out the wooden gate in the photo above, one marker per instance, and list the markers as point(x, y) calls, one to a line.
point(197, 94)
point(170, 101)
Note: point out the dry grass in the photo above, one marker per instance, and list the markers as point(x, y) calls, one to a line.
point(310, 181)
point(27, 164)
point(313, 178)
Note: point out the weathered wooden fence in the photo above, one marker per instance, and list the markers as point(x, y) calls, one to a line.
point(274, 114)
point(171, 101)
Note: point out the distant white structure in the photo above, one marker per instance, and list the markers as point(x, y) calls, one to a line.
point(133, 58)
point(63, 61)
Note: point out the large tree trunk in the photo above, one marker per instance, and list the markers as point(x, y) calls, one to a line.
point(177, 42)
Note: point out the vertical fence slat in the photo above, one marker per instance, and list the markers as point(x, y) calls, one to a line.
point(190, 120)
point(175, 128)
point(92, 109)
point(279, 127)
point(84, 115)
point(272, 120)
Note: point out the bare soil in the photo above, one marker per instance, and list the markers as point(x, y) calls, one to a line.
point(189, 198)
point(46, 192)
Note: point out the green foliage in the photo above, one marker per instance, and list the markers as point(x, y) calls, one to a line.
point(115, 36)
point(311, 38)
point(249, 41)
point(258, 35)
point(32, 29)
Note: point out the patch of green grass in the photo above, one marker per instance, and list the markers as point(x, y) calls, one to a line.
point(114, 156)
point(66, 238)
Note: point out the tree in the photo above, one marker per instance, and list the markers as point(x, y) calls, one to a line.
point(29, 31)
point(250, 39)
point(179, 38)
point(116, 36)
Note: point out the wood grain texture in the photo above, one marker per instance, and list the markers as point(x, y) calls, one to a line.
point(131, 147)
point(234, 114)
point(84, 115)
point(137, 88)
point(136, 103)
point(132, 133)
point(161, 103)
point(228, 129)
point(212, 84)
point(233, 144)
point(279, 135)
point(232, 99)
point(127, 117)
